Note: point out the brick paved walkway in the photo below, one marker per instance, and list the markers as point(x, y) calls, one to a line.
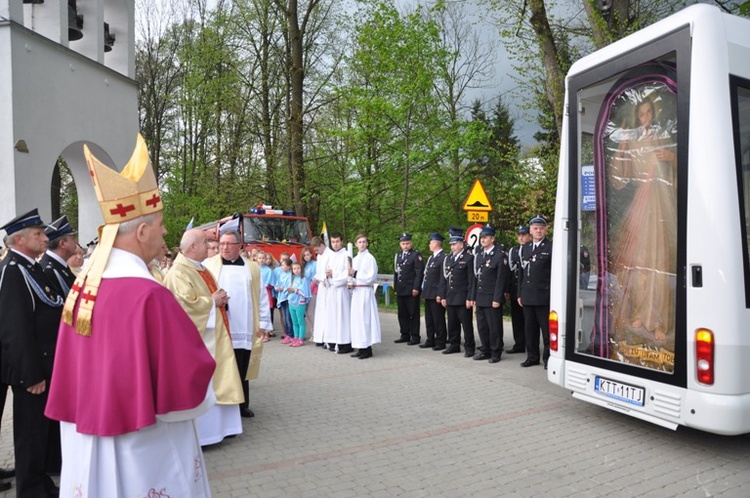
point(415, 423)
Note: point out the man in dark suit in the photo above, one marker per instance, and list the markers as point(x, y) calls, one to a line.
point(408, 270)
point(534, 290)
point(62, 245)
point(4, 473)
point(434, 312)
point(457, 294)
point(492, 279)
point(516, 271)
point(30, 308)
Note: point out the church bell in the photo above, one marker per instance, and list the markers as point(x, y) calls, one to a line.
point(75, 22)
point(109, 38)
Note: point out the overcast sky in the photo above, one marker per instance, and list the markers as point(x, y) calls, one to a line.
point(502, 80)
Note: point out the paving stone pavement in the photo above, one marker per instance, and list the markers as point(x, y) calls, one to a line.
point(416, 423)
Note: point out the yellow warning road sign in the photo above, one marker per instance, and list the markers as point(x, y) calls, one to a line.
point(477, 199)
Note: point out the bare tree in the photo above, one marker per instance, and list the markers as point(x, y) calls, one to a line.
point(467, 66)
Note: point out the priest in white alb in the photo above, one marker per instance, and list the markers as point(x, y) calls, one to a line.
point(131, 372)
point(205, 303)
point(248, 310)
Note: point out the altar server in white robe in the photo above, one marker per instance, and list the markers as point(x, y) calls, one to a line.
point(319, 325)
point(248, 310)
point(365, 321)
point(338, 299)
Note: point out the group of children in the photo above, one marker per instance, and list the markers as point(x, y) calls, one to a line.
point(292, 290)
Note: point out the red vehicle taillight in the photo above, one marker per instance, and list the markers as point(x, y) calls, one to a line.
point(704, 356)
point(553, 337)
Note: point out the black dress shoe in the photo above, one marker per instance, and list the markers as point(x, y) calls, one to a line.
point(494, 360)
point(426, 345)
point(366, 354)
point(401, 340)
point(452, 350)
point(344, 350)
point(481, 356)
point(528, 363)
point(469, 354)
point(514, 350)
point(412, 343)
point(4, 486)
point(7, 473)
point(53, 491)
point(246, 413)
point(357, 354)
point(438, 348)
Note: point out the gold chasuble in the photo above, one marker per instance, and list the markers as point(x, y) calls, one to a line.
point(191, 289)
point(155, 270)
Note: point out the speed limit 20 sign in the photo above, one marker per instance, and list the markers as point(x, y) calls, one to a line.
point(472, 235)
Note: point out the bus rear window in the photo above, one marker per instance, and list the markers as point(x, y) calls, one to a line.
point(627, 163)
point(741, 118)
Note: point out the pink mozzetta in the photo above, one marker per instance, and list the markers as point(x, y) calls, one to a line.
point(146, 358)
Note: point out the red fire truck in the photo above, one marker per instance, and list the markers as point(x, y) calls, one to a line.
point(267, 229)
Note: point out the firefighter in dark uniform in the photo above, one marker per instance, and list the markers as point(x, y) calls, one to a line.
point(62, 246)
point(457, 294)
point(516, 311)
point(408, 270)
point(30, 309)
point(534, 290)
point(492, 280)
point(434, 313)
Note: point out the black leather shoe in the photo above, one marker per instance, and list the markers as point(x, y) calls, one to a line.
point(366, 354)
point(514, 350)
point(246, 413)
point(7, 473)
point(426, 345)
point(401, 340)
point(481, 356)
point(469, 354)
point(438, 348)
point(4, 486)
point(344, 350)
point(357, 354)
point(52, 489)
point(452, 350)
point(545, 366)
point(528, 363)
point(412, 343)
point(494, 360)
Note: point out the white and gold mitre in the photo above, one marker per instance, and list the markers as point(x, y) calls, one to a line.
point(122, 196)
point(129, 194)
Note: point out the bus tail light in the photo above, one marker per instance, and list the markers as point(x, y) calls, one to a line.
point(704, 356)
point(553, 337)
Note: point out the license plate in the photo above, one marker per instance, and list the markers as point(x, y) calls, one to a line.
point(617, 390)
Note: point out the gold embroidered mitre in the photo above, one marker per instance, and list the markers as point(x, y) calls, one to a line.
point(123, 196)
point(129, 194)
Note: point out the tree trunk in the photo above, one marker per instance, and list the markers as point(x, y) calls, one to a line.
point(297, 79)
point(555, 84)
